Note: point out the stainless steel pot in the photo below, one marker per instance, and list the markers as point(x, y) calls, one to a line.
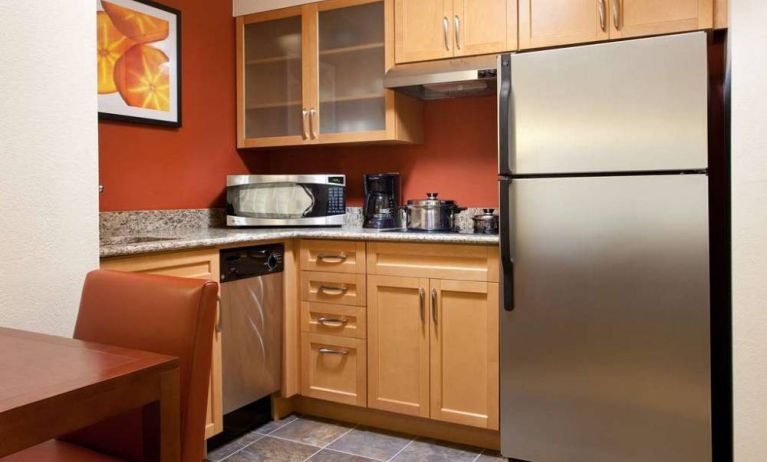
point(431, 214)
point(486, 222)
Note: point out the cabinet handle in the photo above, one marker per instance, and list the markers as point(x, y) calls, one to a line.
point(434, 306)
point(304, 123)
point(313, 122)
point(331, 351)
point(445, 26)
point(332, 258)
point(617, 14)
point(602, 22)
point(422, 297)
point(458, 32)
point(327, 290)
point(332, 322)
point(219, 326)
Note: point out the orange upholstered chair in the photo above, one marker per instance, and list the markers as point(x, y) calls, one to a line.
point(167, 315)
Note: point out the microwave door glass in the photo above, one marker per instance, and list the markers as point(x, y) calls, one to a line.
point(275, 201)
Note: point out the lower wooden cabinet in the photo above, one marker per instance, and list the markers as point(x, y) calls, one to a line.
point(398, 345)
point(334, 368)
point(464, 352)
point(197, 264)
point(433, 349)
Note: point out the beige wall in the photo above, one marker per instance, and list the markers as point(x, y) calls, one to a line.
point(242, 7)
point(748, 33)
point(48, 161)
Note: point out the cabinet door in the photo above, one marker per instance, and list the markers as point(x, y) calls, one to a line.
point(546, 23)
point(272, 88)
point(423, 30)
point(633, 18)
point(398, 345)
point(352, 64)
point(464, 352)
point(484, 26)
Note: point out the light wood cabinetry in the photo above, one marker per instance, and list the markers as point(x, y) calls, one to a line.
point(313, 74)
point(547, 23)
point(464, 352)
point(333, 256)
point(198, 264)
point(437, 29)
point(432, 340)
point(328, 319)
point(398, 345)
point(635, 18)
point(334, 368)
point(338, 288)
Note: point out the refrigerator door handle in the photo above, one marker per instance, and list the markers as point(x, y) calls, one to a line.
point(507, 260)
point(505, 140)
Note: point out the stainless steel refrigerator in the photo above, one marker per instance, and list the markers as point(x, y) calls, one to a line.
point(605, 350)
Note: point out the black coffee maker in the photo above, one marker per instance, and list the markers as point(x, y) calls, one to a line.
point(382, 199)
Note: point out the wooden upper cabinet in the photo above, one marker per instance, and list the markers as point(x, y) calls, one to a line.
point(423, 30)
point(314, 75)
point(634, 18)
point(436, 29)
point(464, 352)
point(547, 23)
point(484, 26)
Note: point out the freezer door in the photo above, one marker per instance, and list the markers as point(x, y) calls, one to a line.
point(635, 105)
point(605, 356)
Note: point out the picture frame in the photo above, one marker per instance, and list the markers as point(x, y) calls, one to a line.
point(139, 62)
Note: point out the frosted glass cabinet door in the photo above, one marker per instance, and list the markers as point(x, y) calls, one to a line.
point(272, 74)
point(352, 67)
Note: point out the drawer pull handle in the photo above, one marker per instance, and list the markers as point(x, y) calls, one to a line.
point(333, 290)
point(332, 258)
point(332, 322)
point(331, 351)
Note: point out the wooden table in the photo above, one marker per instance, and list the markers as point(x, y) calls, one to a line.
point(51, 386)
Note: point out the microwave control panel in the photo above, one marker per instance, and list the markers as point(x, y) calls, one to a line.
point(336, 200)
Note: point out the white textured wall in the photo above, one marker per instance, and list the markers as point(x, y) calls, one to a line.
point(242, 7)
point(48, 161)
point(748, 32)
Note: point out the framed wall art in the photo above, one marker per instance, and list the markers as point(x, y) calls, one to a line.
point(139, 62)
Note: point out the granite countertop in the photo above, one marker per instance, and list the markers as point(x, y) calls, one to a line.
point(161, 242)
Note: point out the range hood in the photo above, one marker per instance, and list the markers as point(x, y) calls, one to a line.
point(451, 78)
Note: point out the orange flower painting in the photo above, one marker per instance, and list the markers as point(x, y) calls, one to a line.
point(137, 61)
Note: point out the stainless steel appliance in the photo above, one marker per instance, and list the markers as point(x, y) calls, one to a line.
point(285, 200)
point(431, 214)
point(446, 78)
point(605, 346)
point(251, 320)
point(382, 199)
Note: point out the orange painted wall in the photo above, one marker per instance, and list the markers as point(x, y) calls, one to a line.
point(146, 167)
point(458, 158)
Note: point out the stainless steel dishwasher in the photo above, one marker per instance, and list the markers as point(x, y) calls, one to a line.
point(251, 320)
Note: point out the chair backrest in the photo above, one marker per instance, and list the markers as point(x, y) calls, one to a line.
point(161, 314)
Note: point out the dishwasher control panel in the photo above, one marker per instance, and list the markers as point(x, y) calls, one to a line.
point(247, 262)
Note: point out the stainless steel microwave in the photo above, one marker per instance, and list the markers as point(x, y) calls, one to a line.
point(285, 200)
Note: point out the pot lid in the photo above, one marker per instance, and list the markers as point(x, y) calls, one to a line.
point(431, 201)
point(486, 215)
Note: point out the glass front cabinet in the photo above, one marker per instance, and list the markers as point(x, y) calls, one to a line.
point(313, 74)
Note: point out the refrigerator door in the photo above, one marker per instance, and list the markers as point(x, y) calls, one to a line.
point(636, 105)
point(605, 356)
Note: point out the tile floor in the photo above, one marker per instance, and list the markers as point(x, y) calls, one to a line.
point(299, 439)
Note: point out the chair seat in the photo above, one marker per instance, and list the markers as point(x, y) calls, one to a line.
point(57, 451)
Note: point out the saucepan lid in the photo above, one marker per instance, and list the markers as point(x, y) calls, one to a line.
point(431, 201)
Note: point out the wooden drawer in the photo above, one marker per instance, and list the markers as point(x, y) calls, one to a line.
point(324, 318)
point(333, 256)
point(438, 261)
point(334, 368)
point(336, 288)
